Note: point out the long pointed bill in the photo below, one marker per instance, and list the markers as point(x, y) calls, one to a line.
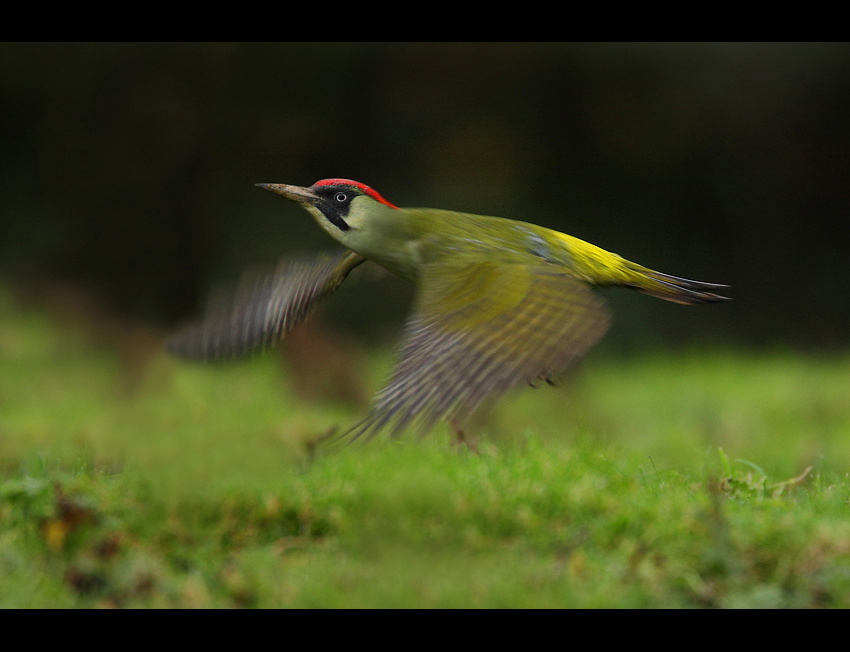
point(293, 193)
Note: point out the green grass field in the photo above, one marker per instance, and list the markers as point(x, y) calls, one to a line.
point(711, 479)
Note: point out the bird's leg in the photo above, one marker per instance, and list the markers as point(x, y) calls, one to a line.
point(311, 444)
point(461, 438)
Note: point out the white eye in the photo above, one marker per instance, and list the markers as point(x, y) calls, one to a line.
point(341, 197)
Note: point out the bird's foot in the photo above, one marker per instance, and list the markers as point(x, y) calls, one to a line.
point(462, 439)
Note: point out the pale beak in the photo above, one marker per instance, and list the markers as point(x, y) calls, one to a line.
point(293, 193)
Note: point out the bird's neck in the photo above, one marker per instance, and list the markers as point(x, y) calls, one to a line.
point(386, 236)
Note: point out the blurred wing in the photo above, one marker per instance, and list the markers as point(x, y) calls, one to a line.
point(479, 329)
point(264, 307)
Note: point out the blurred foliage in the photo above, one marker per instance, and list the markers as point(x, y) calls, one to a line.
point(200, 487)
point(128, 168)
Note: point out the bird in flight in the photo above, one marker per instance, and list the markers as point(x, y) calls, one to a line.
point(498, 302)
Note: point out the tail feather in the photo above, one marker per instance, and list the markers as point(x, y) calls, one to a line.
point(673, 288)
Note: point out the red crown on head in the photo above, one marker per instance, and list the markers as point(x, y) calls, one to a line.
point(356, 184)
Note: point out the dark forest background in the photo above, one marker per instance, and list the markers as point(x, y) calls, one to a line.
point(128, 169)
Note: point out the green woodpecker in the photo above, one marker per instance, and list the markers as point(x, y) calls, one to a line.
point(498, 302)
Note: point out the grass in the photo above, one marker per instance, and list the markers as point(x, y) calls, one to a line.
point(678, 480)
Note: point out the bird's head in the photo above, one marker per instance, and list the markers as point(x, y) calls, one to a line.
point(340, 206)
